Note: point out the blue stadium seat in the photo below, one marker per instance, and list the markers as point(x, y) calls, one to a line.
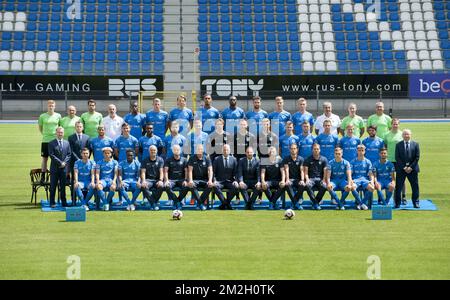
point(376, 55)
point(237, 47)
point(364, 55)
point(340, 46)
point(366, 66)
point(341, 56)
point(354, 66)
point(378, 66)
point(249, 47)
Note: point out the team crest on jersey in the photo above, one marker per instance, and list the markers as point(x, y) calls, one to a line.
point(354, 143)
point(297, 163)
point(203, 163)
point(276, 165)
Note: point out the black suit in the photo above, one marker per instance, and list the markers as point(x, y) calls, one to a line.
point(224, 178)
point(250, 175)
point(58, 174)
point(76, 145)
point(404, 159)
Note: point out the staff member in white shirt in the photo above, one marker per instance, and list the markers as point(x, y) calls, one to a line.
point(113, 123)
point(327, 114)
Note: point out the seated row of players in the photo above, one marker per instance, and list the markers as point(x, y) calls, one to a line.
point(271, 175)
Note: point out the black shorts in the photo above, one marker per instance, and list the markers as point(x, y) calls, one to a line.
point(44, 149)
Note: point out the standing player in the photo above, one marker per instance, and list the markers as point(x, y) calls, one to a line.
point(84, 178)
point(48, 122)
point(380, 120)
point(125, 142)
point(295, 179)
point(99, 142)
point(242, 140)
point(384, 178)
point(135, 119)
point(279, 117)
point(306, 141)
point(266, 139)
point(301, 116)
point(147, 140)
point(175, 176)
point(129, 180)
point(152, 177)
point(255, 116)
point(159, 118)
point(231, 115)
point(272, 178)
point(328, 114)
point(373, 144)
point(197, 137)
point(200, 176)
point(327, 141)
point(113, 123)
point(362, 178)
point(91, 119)
point(175, 139)
point(106, 177)
point(391, 139)
point(216, 140)
point(353, 119)
point(225, 172)
point(339, 178)
point(287, 139)
point(182, 115)
point(314, 171)
point(209, 114)
point(349, 144)
point(248, 176)
point(68, 122)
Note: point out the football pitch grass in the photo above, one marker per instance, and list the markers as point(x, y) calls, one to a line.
point(222, 244)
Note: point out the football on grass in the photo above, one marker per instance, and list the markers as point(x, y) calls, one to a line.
point(177, 214)
point(289, 214)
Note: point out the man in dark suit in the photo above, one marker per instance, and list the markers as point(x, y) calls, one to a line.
point(407, 155)
point(248, 176)
point(60, 154)
point(225, 171)
point(77, 142)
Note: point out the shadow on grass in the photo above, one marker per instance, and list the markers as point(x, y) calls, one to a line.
point(21, 205)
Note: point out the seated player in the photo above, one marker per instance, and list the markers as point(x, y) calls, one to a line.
point(84, 178)
point(339, 178)
point(362, 178)
point(295, 181)
point(200, 176)
point(384, 177)
point(106, 177)
point(152, 177)
point(272, 178)
point(314, 170)
point(175, 176)
point(129, 179)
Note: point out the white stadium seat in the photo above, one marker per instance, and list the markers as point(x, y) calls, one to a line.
point(420, 35)
point(327, 27)
point(314, 9)
point(384, 26)
point(16, 66)
point(405, 7)
point(416, 7)
point(8, 26)
point(427, 6)
point(427, 65)
point(360, 17)
point(399, 46)
point(4, 65)
point(312, 1)
point(434, 45)
point(424, 54)
point(8, 16)
point(430, 25)
point(328, 37)
point(304, 27)
point(302, 9)
point(385, 36)
point(28, 66)
point(53, 56)
point(418, 25)
point(320, 66)
point(358, 7)
point(21, 17)
point(422, 45)
point(405, 16)
point(407, 26)
point(417, 16)
point(408, 35)
point(28, 55)
point(329, 46)
point(1, 16)
point(305, 37)
point(414, 65)
point(324, 8)
point(303, 18)
point(432, 35)
point(438, 64)
point(316, 36)
point(52, 66)
point(318, 56)
point(436, 55)
point(308, 66)
point(315, 27)
point(307, 56)
point(317, 46)
point(372, 26)
point(5, 55)
point(410, 45)
point(19, 26)
point(428, 16)
point(371, 17)
point(397, 36)
point(314, 18)
point(347, 8)
point(330, 56)
point(41, 55)
point(40, 66)
point(306, 46)
point(411, 55)
point(17, 55)
point(331, 66)
point(325, 17)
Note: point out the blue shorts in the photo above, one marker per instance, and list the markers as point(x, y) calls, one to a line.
point(384, 184)
point(339, 184)
point(361, 183)
point(129, 184)
point(83, 185)
point(106, 183)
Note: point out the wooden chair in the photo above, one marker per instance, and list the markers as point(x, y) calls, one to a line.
point(39, 179)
